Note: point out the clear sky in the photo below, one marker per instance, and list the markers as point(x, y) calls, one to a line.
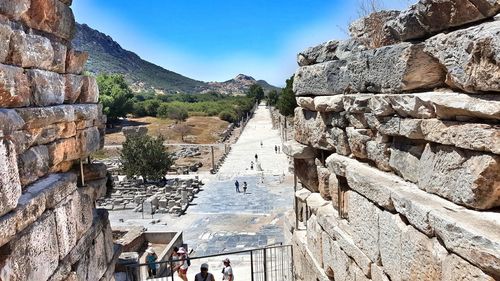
point(214, 40)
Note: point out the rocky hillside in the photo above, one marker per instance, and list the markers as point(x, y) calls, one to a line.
point(106, 55)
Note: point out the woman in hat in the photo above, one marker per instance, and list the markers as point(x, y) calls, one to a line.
point(204, 275)
point(227, 271)
point(151, 261)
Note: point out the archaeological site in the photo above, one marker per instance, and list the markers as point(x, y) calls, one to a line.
point(386, 168)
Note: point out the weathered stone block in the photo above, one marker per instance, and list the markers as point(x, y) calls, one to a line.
point(341, 141)
point(310, 129)
point(14, 9)
point(315, 202)
point(474, 136)
point(322, 79)
point(336, 262)
point(455, 268)
point(314, 244)
point(421, 257)
point(298, 150)
point(33, 163)
point(377, 273)
point(357, 141)
point(411, 106)
point(90, 90)
point(47, 87)
point(470, 57)
point(363, 218)
point(88, 141)
point(405, 158)
point(357, 120)
point(10, 185)
point(51, 16)
point(73, 87)
point(328, 51)
point(379, 153)
point(464, 177)
point(34, 255)
point(36, 117)
point(391, 230)
point(323, 185)
point(75, 61)
point(51, 133)
point(64, 150)
point(305, 170)
point(14, 87)
point(306, 102)
point(5, 35)
point(329, 103)
point(380, 106)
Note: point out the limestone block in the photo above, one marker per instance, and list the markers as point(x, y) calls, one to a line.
point(63, 150)
point(10, 185)
point(411, 106)
point(321, 79)
point(369, 29)
point(329, 103)
point(73, 87)
point(75, 61)
point(451, 105)
point(389, 126)
point(51, 133)
point(380, 106)
point(315, 202)
point(336, 262)
point(305, 170)
point(95, 189)
point(405, 158)
point(14, 87)
point(421, 257)
point(89, 140)
point(333, 189)
point(88, 111)
point(378, 274)
point(363, 218)
point(337, 164)
point(35, 249)
point(36, 117)
point(33, 163)
point(314, 238)
point(297, 150)
point(464, 177)
point(310, 129)
point(323, 185)
point(14, 9)
point(411, 128)
point(93, 264)
point(35, 51)
point(470, 57)
point(66, 217)
point(306, 102)
point(51, 16)
point(391, 230)
point(90, 90)
point(357, 139)
point(5, 35)
point(134, 131)
point(379, 153)
point(455, 268)
point(357, 120)
point(474, 136)
point(328, 51)
point(302, 194)
point(10, 121)
point(47, 87)
point(341, 141)
point(94, 171)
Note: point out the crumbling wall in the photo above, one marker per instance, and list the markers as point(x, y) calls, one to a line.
point(398, 149)
point(49, 120)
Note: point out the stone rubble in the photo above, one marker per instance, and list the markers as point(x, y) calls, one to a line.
point(397, 148)
point(49, 121)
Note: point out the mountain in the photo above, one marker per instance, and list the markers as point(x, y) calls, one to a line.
point(107, 56)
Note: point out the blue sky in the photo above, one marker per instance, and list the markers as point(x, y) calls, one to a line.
point(214, 40)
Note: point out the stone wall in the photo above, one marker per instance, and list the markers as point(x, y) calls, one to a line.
point(398, 149)
point(49, 120)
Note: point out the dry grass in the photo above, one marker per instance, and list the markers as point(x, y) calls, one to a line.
point(204, 129)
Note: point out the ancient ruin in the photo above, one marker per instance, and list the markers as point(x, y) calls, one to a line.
point(50, 122)
point(397, 148)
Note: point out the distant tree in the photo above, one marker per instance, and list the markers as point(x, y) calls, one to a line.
point(166, 110)
point(272, 97)
point(115, 95)
point(145, 156)
point(286, 102)
point(182, 129)
point(229, 116)
point(151, 107)
point(255, 92)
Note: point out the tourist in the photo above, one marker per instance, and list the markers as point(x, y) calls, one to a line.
point(237, 185)
point(261, 144)
point(227, 271)
point(151, 258)
point(245, 187)
point(256, 158)
point(174, 264)
point(184, 260)
point(204, 275)
point(251, 165)
point(275, 149)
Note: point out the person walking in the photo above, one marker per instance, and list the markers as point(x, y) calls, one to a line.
point(237, 185)
point(261, 144)
point(204, 275)
point(151, 258)
point(227, 271)
point(275, 149)
point(251, 165)
point(184, 261)
point(245, 187)
point(174, 263)
point(256, 158)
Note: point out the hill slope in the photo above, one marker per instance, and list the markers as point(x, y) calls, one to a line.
point(107, 56)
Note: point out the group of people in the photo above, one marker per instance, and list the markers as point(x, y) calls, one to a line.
point(180, 262)
point(237, 185)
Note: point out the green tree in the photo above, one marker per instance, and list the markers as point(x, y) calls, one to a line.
point(115, 95)
point(255, 92)
point(272, 97)
point(286, 102)
point(229, 116)
point(172, 111)
point(145, 156)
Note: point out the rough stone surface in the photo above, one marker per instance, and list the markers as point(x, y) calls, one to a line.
point(464, 177)
point(10, 185)
point(323, 185)
point(50, 16)
point(14, 9)
point(33, 163)
point(47, 87)
point(14, 87)
point(455, 268)
point(391, 230)
point(328, 51)
point(298, 150)
point(75, 61)
point(405, 158)
point(305, 170)
point(73, 87)
point(357, 141)
point(329, 103)
point(90, 91)
point(471, 57)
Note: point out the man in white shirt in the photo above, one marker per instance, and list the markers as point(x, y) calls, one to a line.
point(227, 271)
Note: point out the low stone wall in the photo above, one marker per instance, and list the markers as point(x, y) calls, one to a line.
point(49, 119)
point(398, 152)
